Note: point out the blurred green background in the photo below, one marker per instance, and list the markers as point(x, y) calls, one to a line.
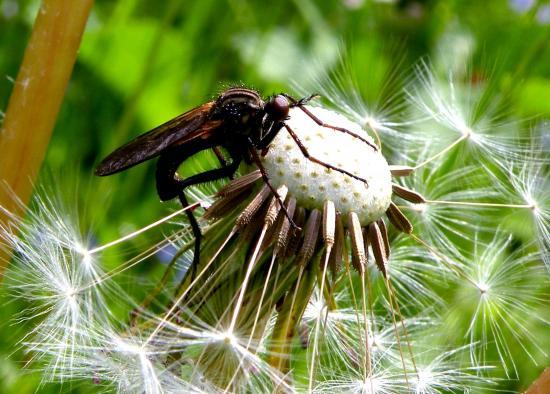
point(143, 62)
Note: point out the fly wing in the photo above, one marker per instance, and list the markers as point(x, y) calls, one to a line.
point(185, 127)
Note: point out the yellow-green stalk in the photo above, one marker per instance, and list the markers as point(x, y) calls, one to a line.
point(36, 98)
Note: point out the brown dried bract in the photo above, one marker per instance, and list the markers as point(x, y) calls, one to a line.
point(329, 223)
point(408, 194)
point(335, 258)
point(223, 206)
point(358, 253)
point(398, 219)
point(378, 250)
point(242, 182)
point(275, 207)
point(282, 231)
point(311, 235)
point(398, 171)
point(294, 241)
point(384, 232)
point(248, 213)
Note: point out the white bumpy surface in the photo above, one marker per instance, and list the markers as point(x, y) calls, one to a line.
point(312, 184)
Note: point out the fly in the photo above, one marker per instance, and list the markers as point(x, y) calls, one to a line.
point(239, 120)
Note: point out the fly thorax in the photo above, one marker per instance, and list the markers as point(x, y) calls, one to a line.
point(239, 118)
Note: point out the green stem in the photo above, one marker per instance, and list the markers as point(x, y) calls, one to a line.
point(35, 101)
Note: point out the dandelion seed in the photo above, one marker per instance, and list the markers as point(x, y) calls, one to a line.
point(441, 372)
point(341, 90)
point(504, 287)
point(47, 276)
point(439, 221)
point(530, 184)
point(454, 107)
point(416, 273)
point(381, 382)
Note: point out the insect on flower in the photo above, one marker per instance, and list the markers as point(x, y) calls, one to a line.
point(239, 120)
point(358, 188)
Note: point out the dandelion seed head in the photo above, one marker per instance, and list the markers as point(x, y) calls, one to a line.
point(123, 346)
point(316, 308)
point(433, 378)
point(370, 385)
point(530, 185)
point(425, 380)
point(328, 145)
point(381, 381)
point(86, 255)
point(70, 293)
point(448, 108)
point(193, 351)
point(79, 248)
point(501, 289)
point(440, 370)
point(420, 208)
point(437, 222)
point(371, 122)
point(228, 338)
point(467, 132)
point(483, 287)
point(415, 273)
point(440, 101)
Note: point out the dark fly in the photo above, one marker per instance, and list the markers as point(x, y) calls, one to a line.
point(239, 120)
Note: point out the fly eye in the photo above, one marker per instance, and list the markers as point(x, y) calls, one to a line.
point(277, 108)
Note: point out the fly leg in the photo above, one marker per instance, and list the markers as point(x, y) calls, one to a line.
point(303, 101)
point(196, 232)
point(265, 177)
point(308, 156)
point(170, 185)
point(301, 104)
point(221, 159)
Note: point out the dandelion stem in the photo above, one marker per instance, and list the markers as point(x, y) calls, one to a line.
point(367, 367)
point(480, 204)
point(246, 279)
point(143, 229)
point(264, 289)
point(448, 148)
point(404, 327)
point(318, 322)
point(443, 259)
point(399, 346)
point(36, 98)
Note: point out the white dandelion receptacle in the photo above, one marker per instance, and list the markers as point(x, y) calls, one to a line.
point(312, 184)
